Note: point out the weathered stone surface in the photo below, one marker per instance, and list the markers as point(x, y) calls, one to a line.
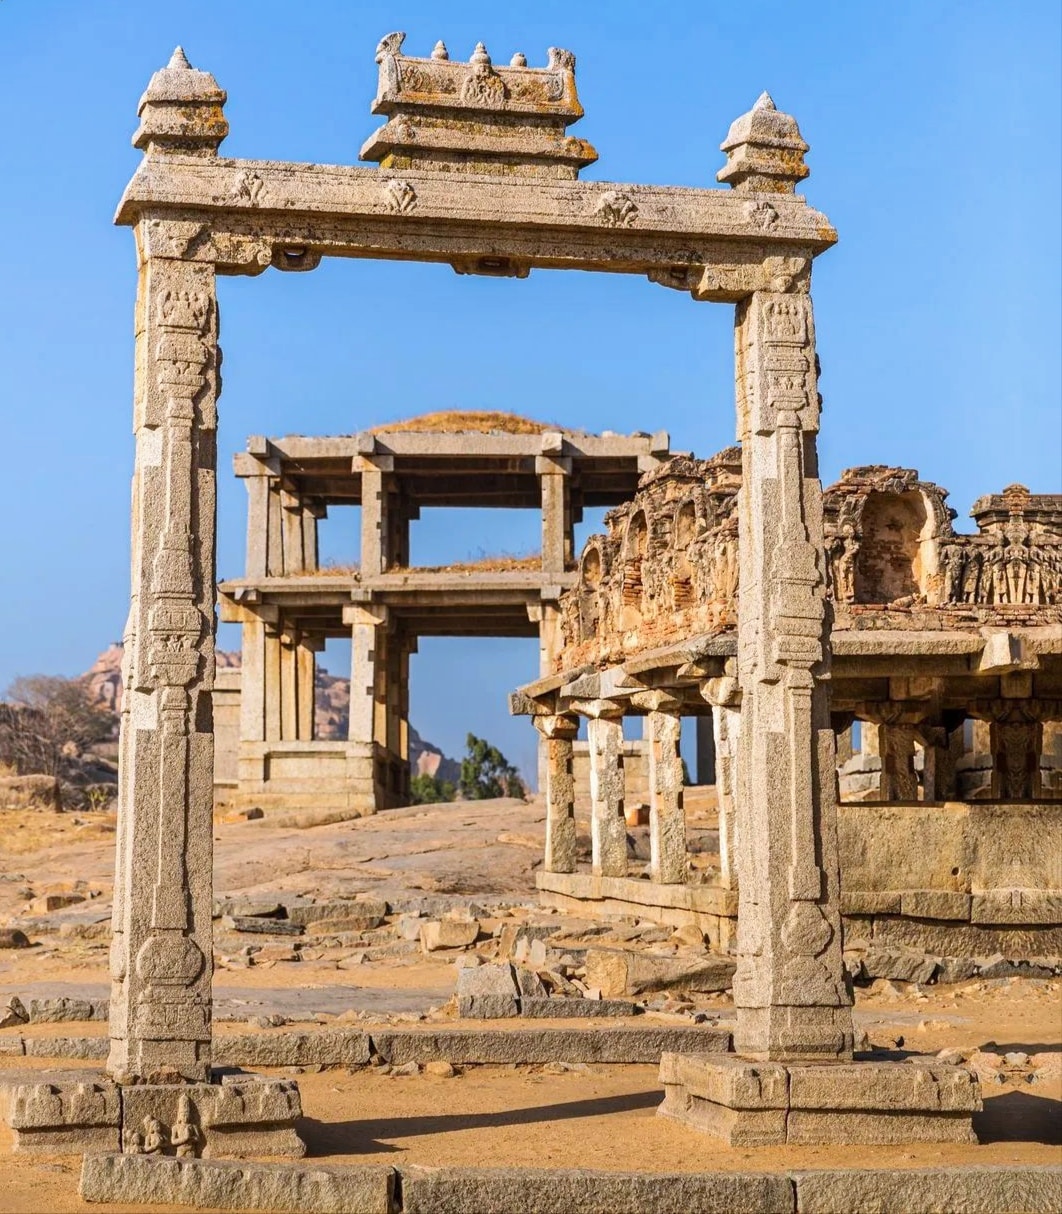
point(245, 1115)
point(329, 1047)
point(14, 1012)
point(550, 1191)
point(140, 1180)
point(562, 1007)
point(59, 1117)
point(747, 1103)
point(487, 992)
point(625, 972)
point(67, 1047)
point(900, 965)
point(1031, 1189)
point(448, 933)
point(42, 1011)
point(13, 937)
point(606, 1044)
point(362, 914)
point(260, 925)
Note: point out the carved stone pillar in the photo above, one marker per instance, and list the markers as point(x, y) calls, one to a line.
point(161, 948)
point(789, 989)
point(667, 819)
point(558, 735)
point(608, 827)
point(364, 631)
point(944, 745)
point(1017, 742)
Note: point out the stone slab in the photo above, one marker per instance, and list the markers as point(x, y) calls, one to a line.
point(90, 1048)
point(541, 1045)
point(561, 1007)
point(1031, 1189)
point(745, 1102)
point(326, 1048)
point(138, 1180)
point(548, 1191)
point(58, 1118)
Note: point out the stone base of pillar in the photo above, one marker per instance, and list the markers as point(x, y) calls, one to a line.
point(750, 1104)
point(242, 1116)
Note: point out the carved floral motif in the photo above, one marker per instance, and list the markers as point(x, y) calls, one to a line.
point(616, 210)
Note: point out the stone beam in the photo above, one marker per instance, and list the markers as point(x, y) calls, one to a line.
point(245, 215)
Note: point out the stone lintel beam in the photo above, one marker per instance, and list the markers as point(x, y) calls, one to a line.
point(247, 214)
point(555, 465)
point(373, 463)
point(366, 613)
point(237, 612)
point(245, 464)
point(304, 449)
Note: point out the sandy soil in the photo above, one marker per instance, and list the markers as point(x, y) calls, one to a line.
point(487, 1115)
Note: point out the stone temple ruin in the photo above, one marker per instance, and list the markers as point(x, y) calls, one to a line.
point(731, 588)
point(288, 606)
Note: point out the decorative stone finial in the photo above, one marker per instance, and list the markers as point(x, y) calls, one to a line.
point(764, 151)
point(475, 116)
point(182, 110)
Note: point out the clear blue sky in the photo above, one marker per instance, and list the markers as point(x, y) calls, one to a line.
point(934, 131)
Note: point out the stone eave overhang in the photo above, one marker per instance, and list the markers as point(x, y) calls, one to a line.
point(857, 653)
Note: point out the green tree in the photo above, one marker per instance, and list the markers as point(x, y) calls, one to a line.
point(427, 790)
point(486, 772)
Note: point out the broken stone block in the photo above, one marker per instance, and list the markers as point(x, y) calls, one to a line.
point(619, 972)
point(47, 903)
point(901, 965)
point(260, 925)
point(12, 937)
point(441, 1068)
point(488, 992)
point(13, 1013)
point(955, 969)
point(53, 1011)
point(448, 933)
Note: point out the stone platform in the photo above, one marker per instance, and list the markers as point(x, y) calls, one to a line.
point(242, 1114)
point(749, 1103)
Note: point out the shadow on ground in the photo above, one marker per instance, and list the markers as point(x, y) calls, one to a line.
point(1020, 1117)
point(371, 1136)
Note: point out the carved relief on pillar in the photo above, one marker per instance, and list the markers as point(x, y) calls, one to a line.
point(789, 988)
point(160, 954)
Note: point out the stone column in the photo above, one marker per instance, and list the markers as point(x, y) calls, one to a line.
point(899, 780)
point(272, 684)
point(944, 745)
point(724, 695)
point(305, 689)
point(363, 647)
point(667, 819)
point(789, 989)
point(161, 948)
point(706, 752)
point(554, 473)
point(289, 686)
point(375, 518)
point(608, 827)
point(558, 734)
point(1017, 741)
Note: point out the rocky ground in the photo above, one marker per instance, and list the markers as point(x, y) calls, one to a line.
point(426, 917)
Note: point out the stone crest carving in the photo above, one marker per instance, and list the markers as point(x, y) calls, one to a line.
point(616, 210)
point(400, 196)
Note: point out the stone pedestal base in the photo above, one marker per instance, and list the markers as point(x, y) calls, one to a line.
point(749, 1103)
point(243, 1115)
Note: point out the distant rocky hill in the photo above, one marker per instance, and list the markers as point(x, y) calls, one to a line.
point(332, 708)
